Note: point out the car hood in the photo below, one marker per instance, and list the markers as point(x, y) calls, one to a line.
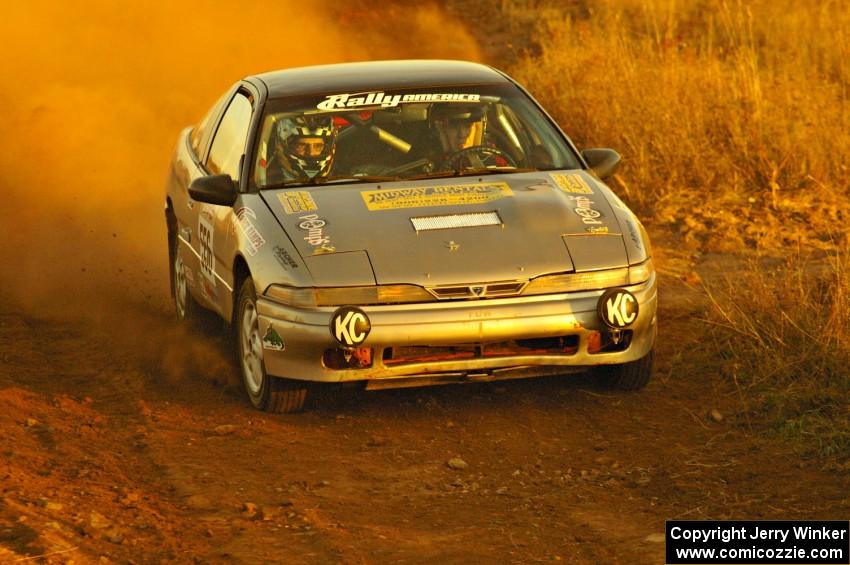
point(458, 230)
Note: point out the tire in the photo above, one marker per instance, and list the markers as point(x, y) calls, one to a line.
point(628, 376)
point(184, 305)
point(265, 392)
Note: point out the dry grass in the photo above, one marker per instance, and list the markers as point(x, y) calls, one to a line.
point(733, 119)
point(780, 332)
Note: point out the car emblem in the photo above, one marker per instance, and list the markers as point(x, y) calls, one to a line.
point(477, 290)
point(617, 308)
point(452, 246)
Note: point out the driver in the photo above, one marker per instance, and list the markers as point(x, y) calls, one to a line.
point(457, 127)
point(454, 128)
point(303, 147)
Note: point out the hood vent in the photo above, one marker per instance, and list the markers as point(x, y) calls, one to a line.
point(472, 220)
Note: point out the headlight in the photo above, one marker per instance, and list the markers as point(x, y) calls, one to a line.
point(340, 296)
point(409, 294)
point(298, 297)
point(641, 273)
point(572, 282)
point(593, 280)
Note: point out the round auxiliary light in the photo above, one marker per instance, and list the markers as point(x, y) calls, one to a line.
point(350, 326)
point(617, 308)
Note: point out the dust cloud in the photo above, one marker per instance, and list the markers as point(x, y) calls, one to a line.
point(93, 97)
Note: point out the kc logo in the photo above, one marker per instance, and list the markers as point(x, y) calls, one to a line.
point(350, 326)
point(618, 308)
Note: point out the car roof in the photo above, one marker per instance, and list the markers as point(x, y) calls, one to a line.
point(377, 75)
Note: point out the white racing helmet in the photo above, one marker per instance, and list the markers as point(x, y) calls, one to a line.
point(289, 131)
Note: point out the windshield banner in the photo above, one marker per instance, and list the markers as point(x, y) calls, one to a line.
point(379, 99)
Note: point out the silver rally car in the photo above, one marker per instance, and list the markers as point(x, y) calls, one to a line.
point(405, 223)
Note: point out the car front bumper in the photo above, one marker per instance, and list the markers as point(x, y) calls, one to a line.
point(306, 336)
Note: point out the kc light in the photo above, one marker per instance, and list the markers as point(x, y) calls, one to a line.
point(344, 295)
point(617, 308)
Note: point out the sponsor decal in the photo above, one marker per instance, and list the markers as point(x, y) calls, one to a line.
point(633, 234)
point(284, 258)
point(315, 228)
point(573, 184)
point(584, 208)
point(297, 201)
point(272, 340)
point(617, 308)
point(449, 195)
point(363, 100)
point(209, 290)
point(596, 230)
point(206, 233)
point(253, 238)
point(350, 326)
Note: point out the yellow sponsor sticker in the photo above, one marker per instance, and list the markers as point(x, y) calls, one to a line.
point(574, 183)
point(448, 195)
point(297, 201)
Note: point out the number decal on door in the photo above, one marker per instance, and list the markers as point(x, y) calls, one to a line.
point(205, 236)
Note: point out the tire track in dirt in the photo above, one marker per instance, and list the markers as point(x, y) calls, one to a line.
point(556, 468)
point(74, 453)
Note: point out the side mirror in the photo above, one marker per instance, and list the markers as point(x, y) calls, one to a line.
point(604, 162)
point(214, 189)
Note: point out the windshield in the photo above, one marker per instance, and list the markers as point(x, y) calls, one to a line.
point(405, 134)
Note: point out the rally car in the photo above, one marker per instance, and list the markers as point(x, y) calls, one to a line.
point(404, 223)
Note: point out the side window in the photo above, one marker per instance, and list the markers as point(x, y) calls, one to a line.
point(229, 141)
point(200, 133)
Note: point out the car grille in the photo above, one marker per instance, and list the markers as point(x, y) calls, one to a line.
point(492, 290)
point(564, 345)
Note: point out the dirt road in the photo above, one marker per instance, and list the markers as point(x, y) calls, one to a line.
point(128, 449)
point(124, 440)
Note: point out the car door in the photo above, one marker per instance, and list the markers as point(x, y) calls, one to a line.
point(212, 223)
point(187, 165)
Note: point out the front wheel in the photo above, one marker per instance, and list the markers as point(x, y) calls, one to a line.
point(265, 392)
point(628, 376)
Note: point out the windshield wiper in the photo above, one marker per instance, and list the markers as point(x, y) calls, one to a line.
point(280, 184)
point(327, 180)
point(493, 171)
point(470, 172)
point(356, 178)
